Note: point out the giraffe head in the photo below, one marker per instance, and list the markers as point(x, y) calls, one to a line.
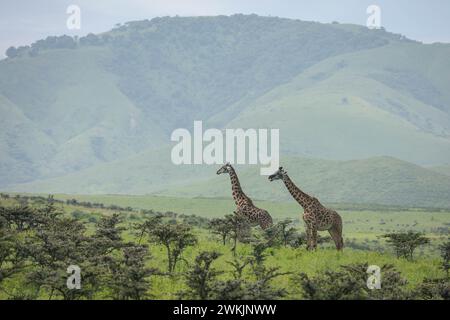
point(225, 168)
point(278, 175)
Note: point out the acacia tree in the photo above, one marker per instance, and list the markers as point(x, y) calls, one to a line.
point(405, 243)
point(54, 246)
point(108, 233)
point(101, 252)
point(222, 227)
point(174, 237)
point(262, 289)
point(350, 283)
point(287, 232)
point(281, 233)
point(146, 226)
point(235, 288)
point(12, 259)
point(56, 242)
point(20, 218)
point(445, 254)
point(238, 264)
point(201, 278)
point(240, 229)
point(129, 275)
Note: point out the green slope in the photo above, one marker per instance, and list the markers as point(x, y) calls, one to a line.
point(76, 106)
point(444, 169)
point(380, 180)
point(23, 146)
point(139, 174)
point(97, 118)
point(113, 95)
point(338, 109)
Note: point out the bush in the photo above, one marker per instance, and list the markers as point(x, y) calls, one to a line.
point(350, 283)
point(201, 278)
point(405, 243)
point(433, 289)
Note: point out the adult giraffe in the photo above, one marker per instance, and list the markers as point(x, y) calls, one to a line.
point(315, 215)
point(244, 204)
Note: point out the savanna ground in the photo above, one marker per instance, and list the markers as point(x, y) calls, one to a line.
point(363, 228)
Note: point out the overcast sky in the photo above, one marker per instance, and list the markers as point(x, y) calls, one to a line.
point(24, 21)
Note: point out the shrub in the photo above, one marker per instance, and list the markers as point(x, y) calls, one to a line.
point(350, 283)
point(405, 243)
point(201, 277)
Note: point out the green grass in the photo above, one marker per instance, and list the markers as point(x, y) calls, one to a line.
point(360, 226)
point(294, 261)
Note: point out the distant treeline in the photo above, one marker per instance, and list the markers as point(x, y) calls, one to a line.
point(72, 202)
point(57, 42)
point(190, 219)
point(116, 37)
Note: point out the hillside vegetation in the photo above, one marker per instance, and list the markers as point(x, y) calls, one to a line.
point(444, 169)
point(95, 115)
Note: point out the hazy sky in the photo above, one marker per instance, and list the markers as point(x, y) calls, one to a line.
point(24, 21)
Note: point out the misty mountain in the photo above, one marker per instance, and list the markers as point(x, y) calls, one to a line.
point(70, 107)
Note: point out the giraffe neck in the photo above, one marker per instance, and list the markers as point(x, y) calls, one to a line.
point(302, 198)
point(238, 195)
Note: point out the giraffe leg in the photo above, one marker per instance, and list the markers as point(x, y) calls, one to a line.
point(311, 237)
point(336, 235)
point(308, 237)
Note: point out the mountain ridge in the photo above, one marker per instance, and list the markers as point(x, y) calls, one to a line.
point(76, 108)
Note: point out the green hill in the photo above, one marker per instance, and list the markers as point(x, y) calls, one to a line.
point(444, 169)
point(94, 115)
point(380, 180)
point(70, 111)
point(340, 109)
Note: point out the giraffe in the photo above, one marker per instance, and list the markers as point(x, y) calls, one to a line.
point(315, 215)
point(245, 206)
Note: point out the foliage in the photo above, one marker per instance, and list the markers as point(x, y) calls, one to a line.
point(54, 242)
point(433, 289)
point(445, 254)
point(222, 227)
point(119, 67)
point(11, 52)
point(405, 243)
point(286, 231)
point(200, 279)
point(129, 275)
point(349, 283)
point(175, 237)
point(11, 248)
point(39, 239)
point(262, 289)
point(240, 229)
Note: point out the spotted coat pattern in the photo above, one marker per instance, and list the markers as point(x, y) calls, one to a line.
point(244, 205)
point(316, 216)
